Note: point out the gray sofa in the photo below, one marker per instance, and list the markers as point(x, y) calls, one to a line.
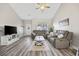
point(39, 33)
point(62, 42)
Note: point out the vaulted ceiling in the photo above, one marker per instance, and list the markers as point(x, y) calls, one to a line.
point(28, 11)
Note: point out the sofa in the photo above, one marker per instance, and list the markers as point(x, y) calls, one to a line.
point(62, 42)
point(39, 33)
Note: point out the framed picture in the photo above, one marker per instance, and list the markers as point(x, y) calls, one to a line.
point(64, 22)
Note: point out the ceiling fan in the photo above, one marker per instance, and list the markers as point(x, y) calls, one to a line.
point(42, 6)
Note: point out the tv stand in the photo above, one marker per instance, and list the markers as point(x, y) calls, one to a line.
point(9, 39)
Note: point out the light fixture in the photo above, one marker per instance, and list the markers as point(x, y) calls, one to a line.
point(42, 6)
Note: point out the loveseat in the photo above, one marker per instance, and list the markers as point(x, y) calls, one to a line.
point(63, 42)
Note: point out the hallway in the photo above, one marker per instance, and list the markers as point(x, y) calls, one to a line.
point(23, 47)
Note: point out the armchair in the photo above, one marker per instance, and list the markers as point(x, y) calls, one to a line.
point(65, 41)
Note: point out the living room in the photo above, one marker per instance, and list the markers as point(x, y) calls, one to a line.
point(39, 29)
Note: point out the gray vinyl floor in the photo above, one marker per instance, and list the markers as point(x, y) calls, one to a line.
point(23, 47)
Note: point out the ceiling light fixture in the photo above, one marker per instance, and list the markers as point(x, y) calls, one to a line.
point(42, 6)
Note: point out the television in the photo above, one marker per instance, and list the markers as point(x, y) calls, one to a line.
point(8, 30)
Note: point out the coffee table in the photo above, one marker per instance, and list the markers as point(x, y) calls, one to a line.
point(39, 50)
point(37, 47)
point(39, 44)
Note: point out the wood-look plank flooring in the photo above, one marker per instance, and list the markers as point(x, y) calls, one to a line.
point(23, 47)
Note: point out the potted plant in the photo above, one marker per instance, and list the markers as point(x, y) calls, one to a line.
point(51, 30)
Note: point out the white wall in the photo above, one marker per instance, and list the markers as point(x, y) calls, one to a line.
point(70, 11)
point(8, 16)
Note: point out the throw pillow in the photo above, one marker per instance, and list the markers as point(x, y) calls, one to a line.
point(60, 36)
point(51, 34)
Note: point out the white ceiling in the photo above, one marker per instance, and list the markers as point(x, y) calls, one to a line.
point(28, 11)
